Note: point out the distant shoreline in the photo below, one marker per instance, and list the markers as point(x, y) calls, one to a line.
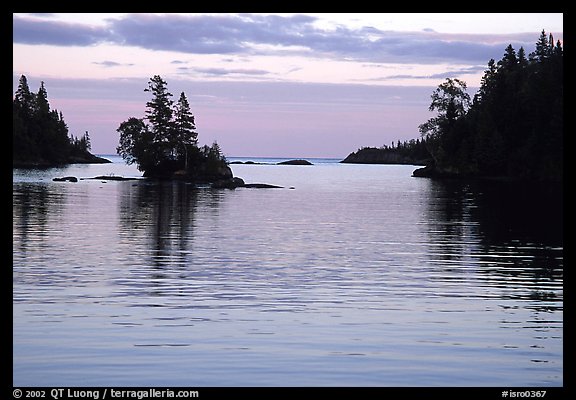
point(248, 158)
point(88, 159)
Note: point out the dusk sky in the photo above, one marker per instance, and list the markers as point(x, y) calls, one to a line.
point(278, 85)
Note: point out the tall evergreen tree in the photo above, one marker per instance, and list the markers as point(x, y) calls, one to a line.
point(184, 124)
point(509, 61)
point(159, 114)
point(487, 83)
point(41, 104)
point(522, 61)
point(87, 143)
point(542, 50)
point(23, 97)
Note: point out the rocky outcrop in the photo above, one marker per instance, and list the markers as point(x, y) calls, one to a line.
point(213, 173)
point(113, 178)
point(236, 182)
point(39, 162)
point(433, 171)
point(372, 155)
point(201, 173)
point(247, 163)
point(99, 177)
point(262, 186)
point(295, 162)
point(66, 179)
point(230, 183)
point(87, 158)
point(288, 162)
point(428, 171)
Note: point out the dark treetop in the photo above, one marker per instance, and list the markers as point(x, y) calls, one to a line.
point(413, 152)
point(164, 144)
point(40, 136)
point(512, 128)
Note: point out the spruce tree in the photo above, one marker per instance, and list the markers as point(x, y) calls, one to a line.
point(522, 61)
point(184, 127)
point(41, 105)
point(542, 48)
point(509, 61)
point(159, 114)
point(23, 97)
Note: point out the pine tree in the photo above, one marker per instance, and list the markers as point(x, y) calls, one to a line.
point(558, 52)
point(84, 142)
point(542, 50)
point(509, 61)
point(487, 83)
point(522, 61)
point(184, 125)
point(41, 105)
point(159, 114)
point(23, 97)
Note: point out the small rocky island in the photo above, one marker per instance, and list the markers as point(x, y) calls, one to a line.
point(287, 162)
point(164, 144)
point(295, 162)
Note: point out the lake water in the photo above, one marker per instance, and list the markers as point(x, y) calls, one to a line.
point(351, 275)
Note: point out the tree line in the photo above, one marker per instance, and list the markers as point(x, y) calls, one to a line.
point(413, 151)
point(512, 127)
point(40, 136)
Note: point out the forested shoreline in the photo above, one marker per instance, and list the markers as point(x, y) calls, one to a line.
point(511, 128)
point(412, 152)
point(40, 136)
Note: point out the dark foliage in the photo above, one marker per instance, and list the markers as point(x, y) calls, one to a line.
point(514, 125)
point(40, 135)
point(165, 143)
point(413, 152)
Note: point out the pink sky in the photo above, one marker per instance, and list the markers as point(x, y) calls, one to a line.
point(282, 85)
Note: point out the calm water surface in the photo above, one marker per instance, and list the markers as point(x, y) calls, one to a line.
point(358, 276)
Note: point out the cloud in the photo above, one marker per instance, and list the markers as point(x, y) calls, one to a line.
point(227, 71)
point(453, 72)
point(42, 15)
point(460, 71)
point(38, 31)
point(257, 93)
point(109, 64)
point(186, 34)
point(250, 34)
